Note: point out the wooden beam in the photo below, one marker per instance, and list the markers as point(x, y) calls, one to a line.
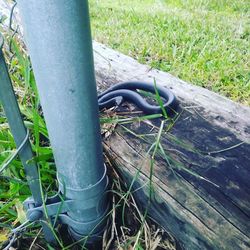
point(201, 191)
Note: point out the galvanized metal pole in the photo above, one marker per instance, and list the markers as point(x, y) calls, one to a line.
point(59, 42)
point(19, 132)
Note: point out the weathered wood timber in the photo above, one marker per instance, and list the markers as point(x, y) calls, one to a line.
point(201, 182)
point(201, 187)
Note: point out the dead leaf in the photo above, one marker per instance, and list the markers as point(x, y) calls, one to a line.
point(4, 235)
point(21, 215)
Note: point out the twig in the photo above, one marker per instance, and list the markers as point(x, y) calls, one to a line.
point(225, 149)
point(33, 242)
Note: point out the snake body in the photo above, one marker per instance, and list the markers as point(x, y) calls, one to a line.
point(128, 91)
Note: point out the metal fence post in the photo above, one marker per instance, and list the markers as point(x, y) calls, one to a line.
point(20, 134)
point(58, 38)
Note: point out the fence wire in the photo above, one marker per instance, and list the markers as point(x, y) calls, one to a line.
point(21, 229)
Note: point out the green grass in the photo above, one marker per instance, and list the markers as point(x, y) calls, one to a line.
point(205, 42)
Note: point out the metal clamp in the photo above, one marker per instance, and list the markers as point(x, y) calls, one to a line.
point(59, 209)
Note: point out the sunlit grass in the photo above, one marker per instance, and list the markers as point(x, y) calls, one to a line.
point(205, 42)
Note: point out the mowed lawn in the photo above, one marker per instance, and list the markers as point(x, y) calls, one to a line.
point(204, 42)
